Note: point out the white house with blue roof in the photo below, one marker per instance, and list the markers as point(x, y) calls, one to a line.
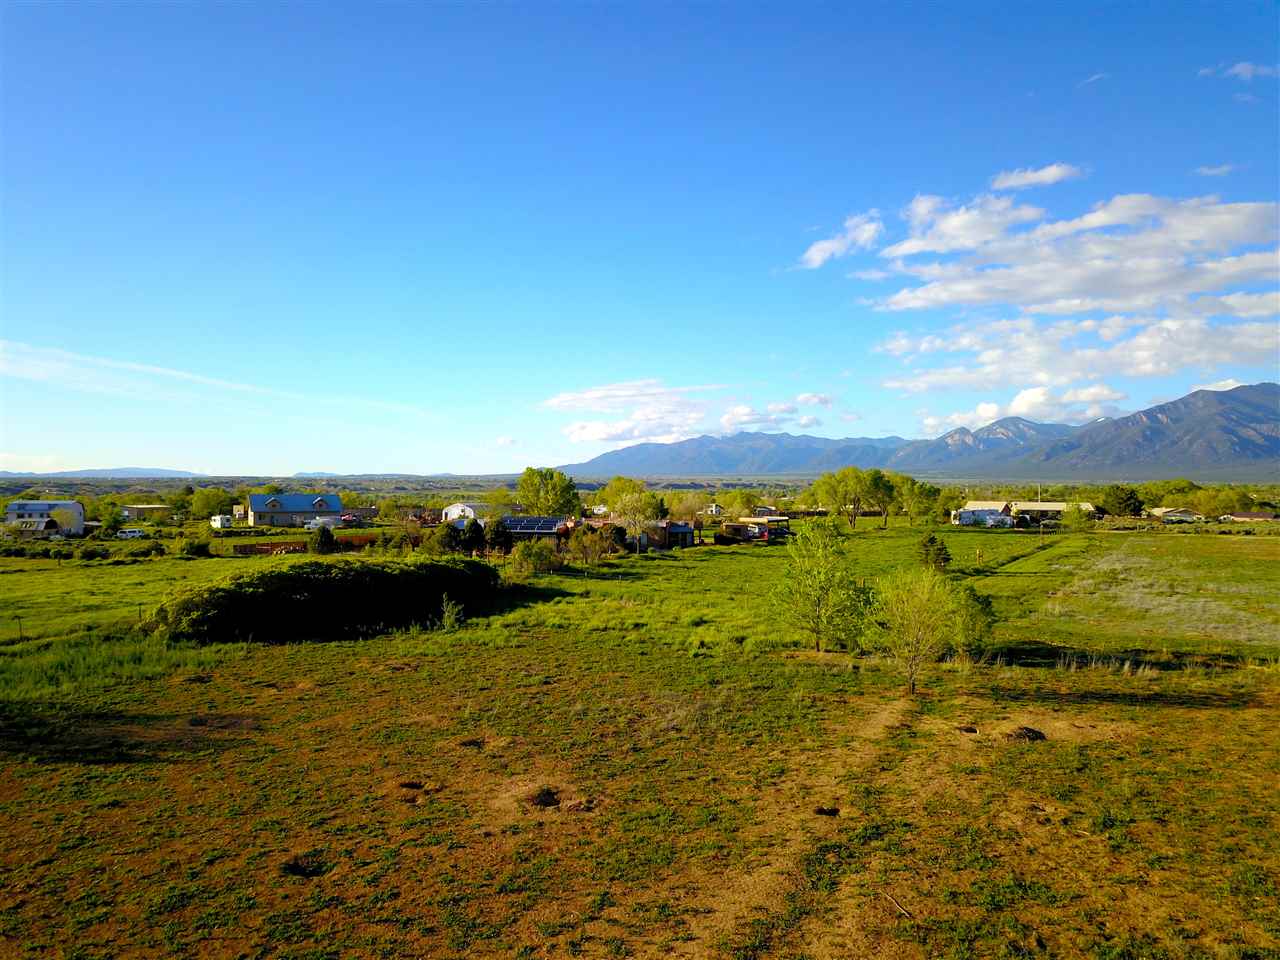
point(292, 509)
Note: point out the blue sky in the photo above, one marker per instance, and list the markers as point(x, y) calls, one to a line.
point(280, 237)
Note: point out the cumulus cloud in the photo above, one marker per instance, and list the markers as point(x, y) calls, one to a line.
point(813, 400)
point(650, 410)
point(861, 231)
point(938, 227)
point(743, 416)
point(1040, 404)
point(1022, 178)
point(1221, 170)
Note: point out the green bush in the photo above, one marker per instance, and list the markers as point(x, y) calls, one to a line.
point(90, 552)
point(322, 541)
point(325, 600)
point(534, 556)
point(194, 548)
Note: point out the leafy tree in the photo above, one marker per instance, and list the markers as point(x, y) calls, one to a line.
point(472, 539)
point(112, 521)
point(533, 556)
point(739, 503)
point(64, 518)
point(210, 501)
point(1074, 518)
point(497, 536)
point(322, 541)
point(501, 502)
point(445, 538)
point(878, 490)
point(817, 594)
point(933, 553)
point(547, 492)
point(1121, 501)
point(611, 493)
point(915, 497)
point(637, 512)
point(913, 619)
point(588, 547)
point(841, 493)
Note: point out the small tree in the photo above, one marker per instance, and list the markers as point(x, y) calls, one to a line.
point(64, 518)
point(637, 512)
point(878, 489)
point(974, 617)
point(1121, 501)
point(817, 594)
point(1074, 518)
point(322, 541)
point(913, 619)
point(933, 553)
point(446, 538)
point(472, 539)
point(497, 536)
point(533, 556)
point(588, 547)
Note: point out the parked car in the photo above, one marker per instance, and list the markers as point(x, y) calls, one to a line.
point(319, 522)
point(131, 533)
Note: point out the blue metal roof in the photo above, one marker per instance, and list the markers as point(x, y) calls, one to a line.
point(294, 502)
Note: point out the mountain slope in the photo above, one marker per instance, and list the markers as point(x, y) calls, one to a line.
point(108, 473)
point(1229, 433)
point(1208, 428)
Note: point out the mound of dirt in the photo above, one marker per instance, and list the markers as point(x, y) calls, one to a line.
point(1025, 734)
point(306, 865)
point(544, 797)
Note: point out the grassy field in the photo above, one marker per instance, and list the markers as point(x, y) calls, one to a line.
point(631, 763)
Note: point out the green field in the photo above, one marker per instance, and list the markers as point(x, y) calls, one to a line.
point(629, 761)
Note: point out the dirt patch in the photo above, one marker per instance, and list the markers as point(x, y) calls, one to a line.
point(224, 721)
point(306, 865)
point(1025, 734)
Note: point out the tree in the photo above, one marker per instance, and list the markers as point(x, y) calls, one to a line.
point(739, 503)
point(913, 619)
point(816, 593)
point(878, 490)
point(841, 493)
point(322, 540)
point(210, 501)
point(637, 512)
point(1074, 518)
point(112, 521)
point(445, 538)
point(933, 553)
point(472, 539)
point(64, 518)
point(1121, 501)
point(915, 497)
point(497, 536)
point(501, 502)
point(974, 617)
point(588, 547)
point(617, 488)
point(547, 492)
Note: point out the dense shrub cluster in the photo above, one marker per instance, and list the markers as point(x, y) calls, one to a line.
point(326, 600)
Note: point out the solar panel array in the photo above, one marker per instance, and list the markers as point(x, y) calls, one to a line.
point(547, 525)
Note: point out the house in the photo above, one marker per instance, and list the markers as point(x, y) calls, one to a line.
point(1038, 510)
point(292, 509)
point(240, 512)
point(998, 506)
point(713, 510)
point(463, 510)
point(145, 511)
point(671, 533)
point(1248, 516)
point(1175, 514)
point(29, 517)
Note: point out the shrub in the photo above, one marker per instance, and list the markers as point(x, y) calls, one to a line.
point(472, 539)
point(588, 547)
point(194, 548)
point(322, 541)
point(534, 556)
point(444, 539)
point(325, 600)
point(913, 619)
point(817, 595)
point(933, 553)
point(152, 548)
point(497, 536)
point(973, 619)
point(94, 553)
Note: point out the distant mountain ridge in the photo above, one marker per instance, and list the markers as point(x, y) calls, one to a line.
point(1228, 433)
point(109, 473)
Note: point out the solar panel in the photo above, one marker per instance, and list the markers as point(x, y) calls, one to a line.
point(545, 525)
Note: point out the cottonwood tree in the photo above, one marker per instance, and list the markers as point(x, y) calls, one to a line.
point(915, 497)
point(210, 501)
point(817, 594)
point(617, 488)
point(1121, 501)
point(913, 619)
point(841, 492)
point(547, 492)
point(877, 488)
point(636, 513)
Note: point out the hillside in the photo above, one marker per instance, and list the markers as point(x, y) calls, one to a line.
point(1226, 434)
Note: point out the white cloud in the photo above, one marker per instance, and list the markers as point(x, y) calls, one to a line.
point(861, 231)
point(936, 227)
point(807, 422)
point(1044, 176)
point(782, 408)
point(1221, 170)
point(873, 274)
point(1240, 71)
point(651, 411)
point(1229, 384)
point(1247, 71)
point(1095, 78)
point(813, 400)
point(1040, 404)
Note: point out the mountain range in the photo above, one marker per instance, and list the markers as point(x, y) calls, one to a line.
point(1224, 434)
point(109, 473)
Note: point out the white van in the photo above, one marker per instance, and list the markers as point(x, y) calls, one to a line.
point(222, 521)
point(319, 522)
point(131, 533)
